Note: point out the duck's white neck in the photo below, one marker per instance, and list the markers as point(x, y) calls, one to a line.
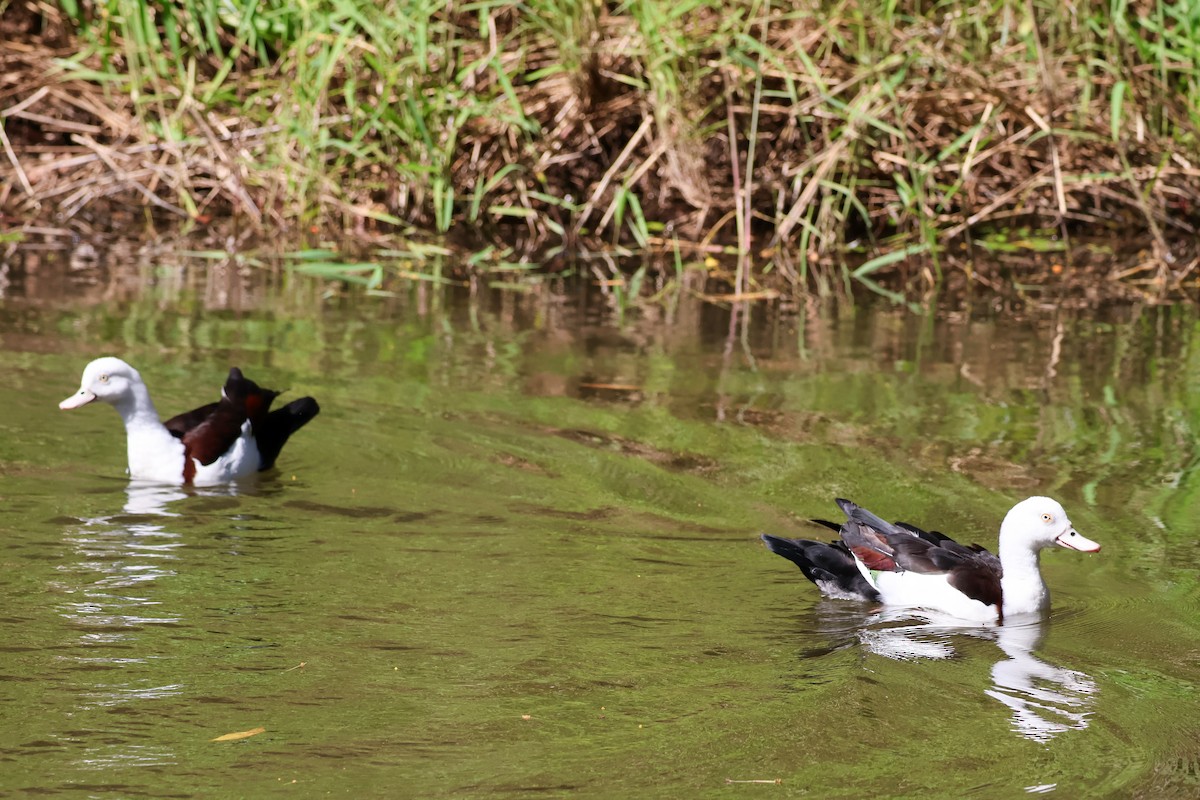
point(1024, 591)
point(154, 454)
point(137, 409)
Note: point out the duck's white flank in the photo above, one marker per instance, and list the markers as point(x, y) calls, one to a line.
point(932, 592)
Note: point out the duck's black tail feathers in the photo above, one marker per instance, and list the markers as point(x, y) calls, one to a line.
point(271, 428)
point(827, 564)
point(272, 432)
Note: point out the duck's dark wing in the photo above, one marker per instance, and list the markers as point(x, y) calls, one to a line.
point(213, 437)
point(209, 431)
point(978, 577)
point(240, 397)
point(253, 400)
point(180, 424)
point(937, 537)
point(975, 573)
point(867, 537)
point(885, 546)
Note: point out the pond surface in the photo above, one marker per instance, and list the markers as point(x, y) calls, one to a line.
point(517, 553)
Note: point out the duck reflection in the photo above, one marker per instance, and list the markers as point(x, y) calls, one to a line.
point(128, 621)
point(1045, 700)
point(113, 577)
point(151, 499)
point(120, 551)
point(110, 583)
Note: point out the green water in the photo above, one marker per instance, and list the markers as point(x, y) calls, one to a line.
point(517, 553)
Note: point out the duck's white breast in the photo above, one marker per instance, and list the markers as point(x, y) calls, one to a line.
point(154, 454)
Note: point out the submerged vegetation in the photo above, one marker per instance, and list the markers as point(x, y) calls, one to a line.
point(824, 138)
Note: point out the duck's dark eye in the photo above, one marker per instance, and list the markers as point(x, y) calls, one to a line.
point(1047, 518)
point(104, 379)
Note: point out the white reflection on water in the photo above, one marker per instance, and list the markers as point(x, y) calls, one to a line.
point(111, 579)
point(1045, 700)
point(151, 498)
point(117, 561)
point(132, 755)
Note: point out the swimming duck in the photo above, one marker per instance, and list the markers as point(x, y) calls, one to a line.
point(216, 443)
point(900, 564)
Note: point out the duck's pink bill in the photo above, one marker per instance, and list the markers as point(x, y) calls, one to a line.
point(1073, 541)
point(80, 398)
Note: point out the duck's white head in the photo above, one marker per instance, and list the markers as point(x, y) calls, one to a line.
point(1039, 522)
point(108, 379)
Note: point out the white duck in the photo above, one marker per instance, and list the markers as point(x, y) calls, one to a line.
point(902, 565)
point(219, 442)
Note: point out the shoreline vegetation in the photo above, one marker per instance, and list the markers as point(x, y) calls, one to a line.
point(779, 146)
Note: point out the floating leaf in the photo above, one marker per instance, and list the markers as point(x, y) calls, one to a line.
point(233, 737)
